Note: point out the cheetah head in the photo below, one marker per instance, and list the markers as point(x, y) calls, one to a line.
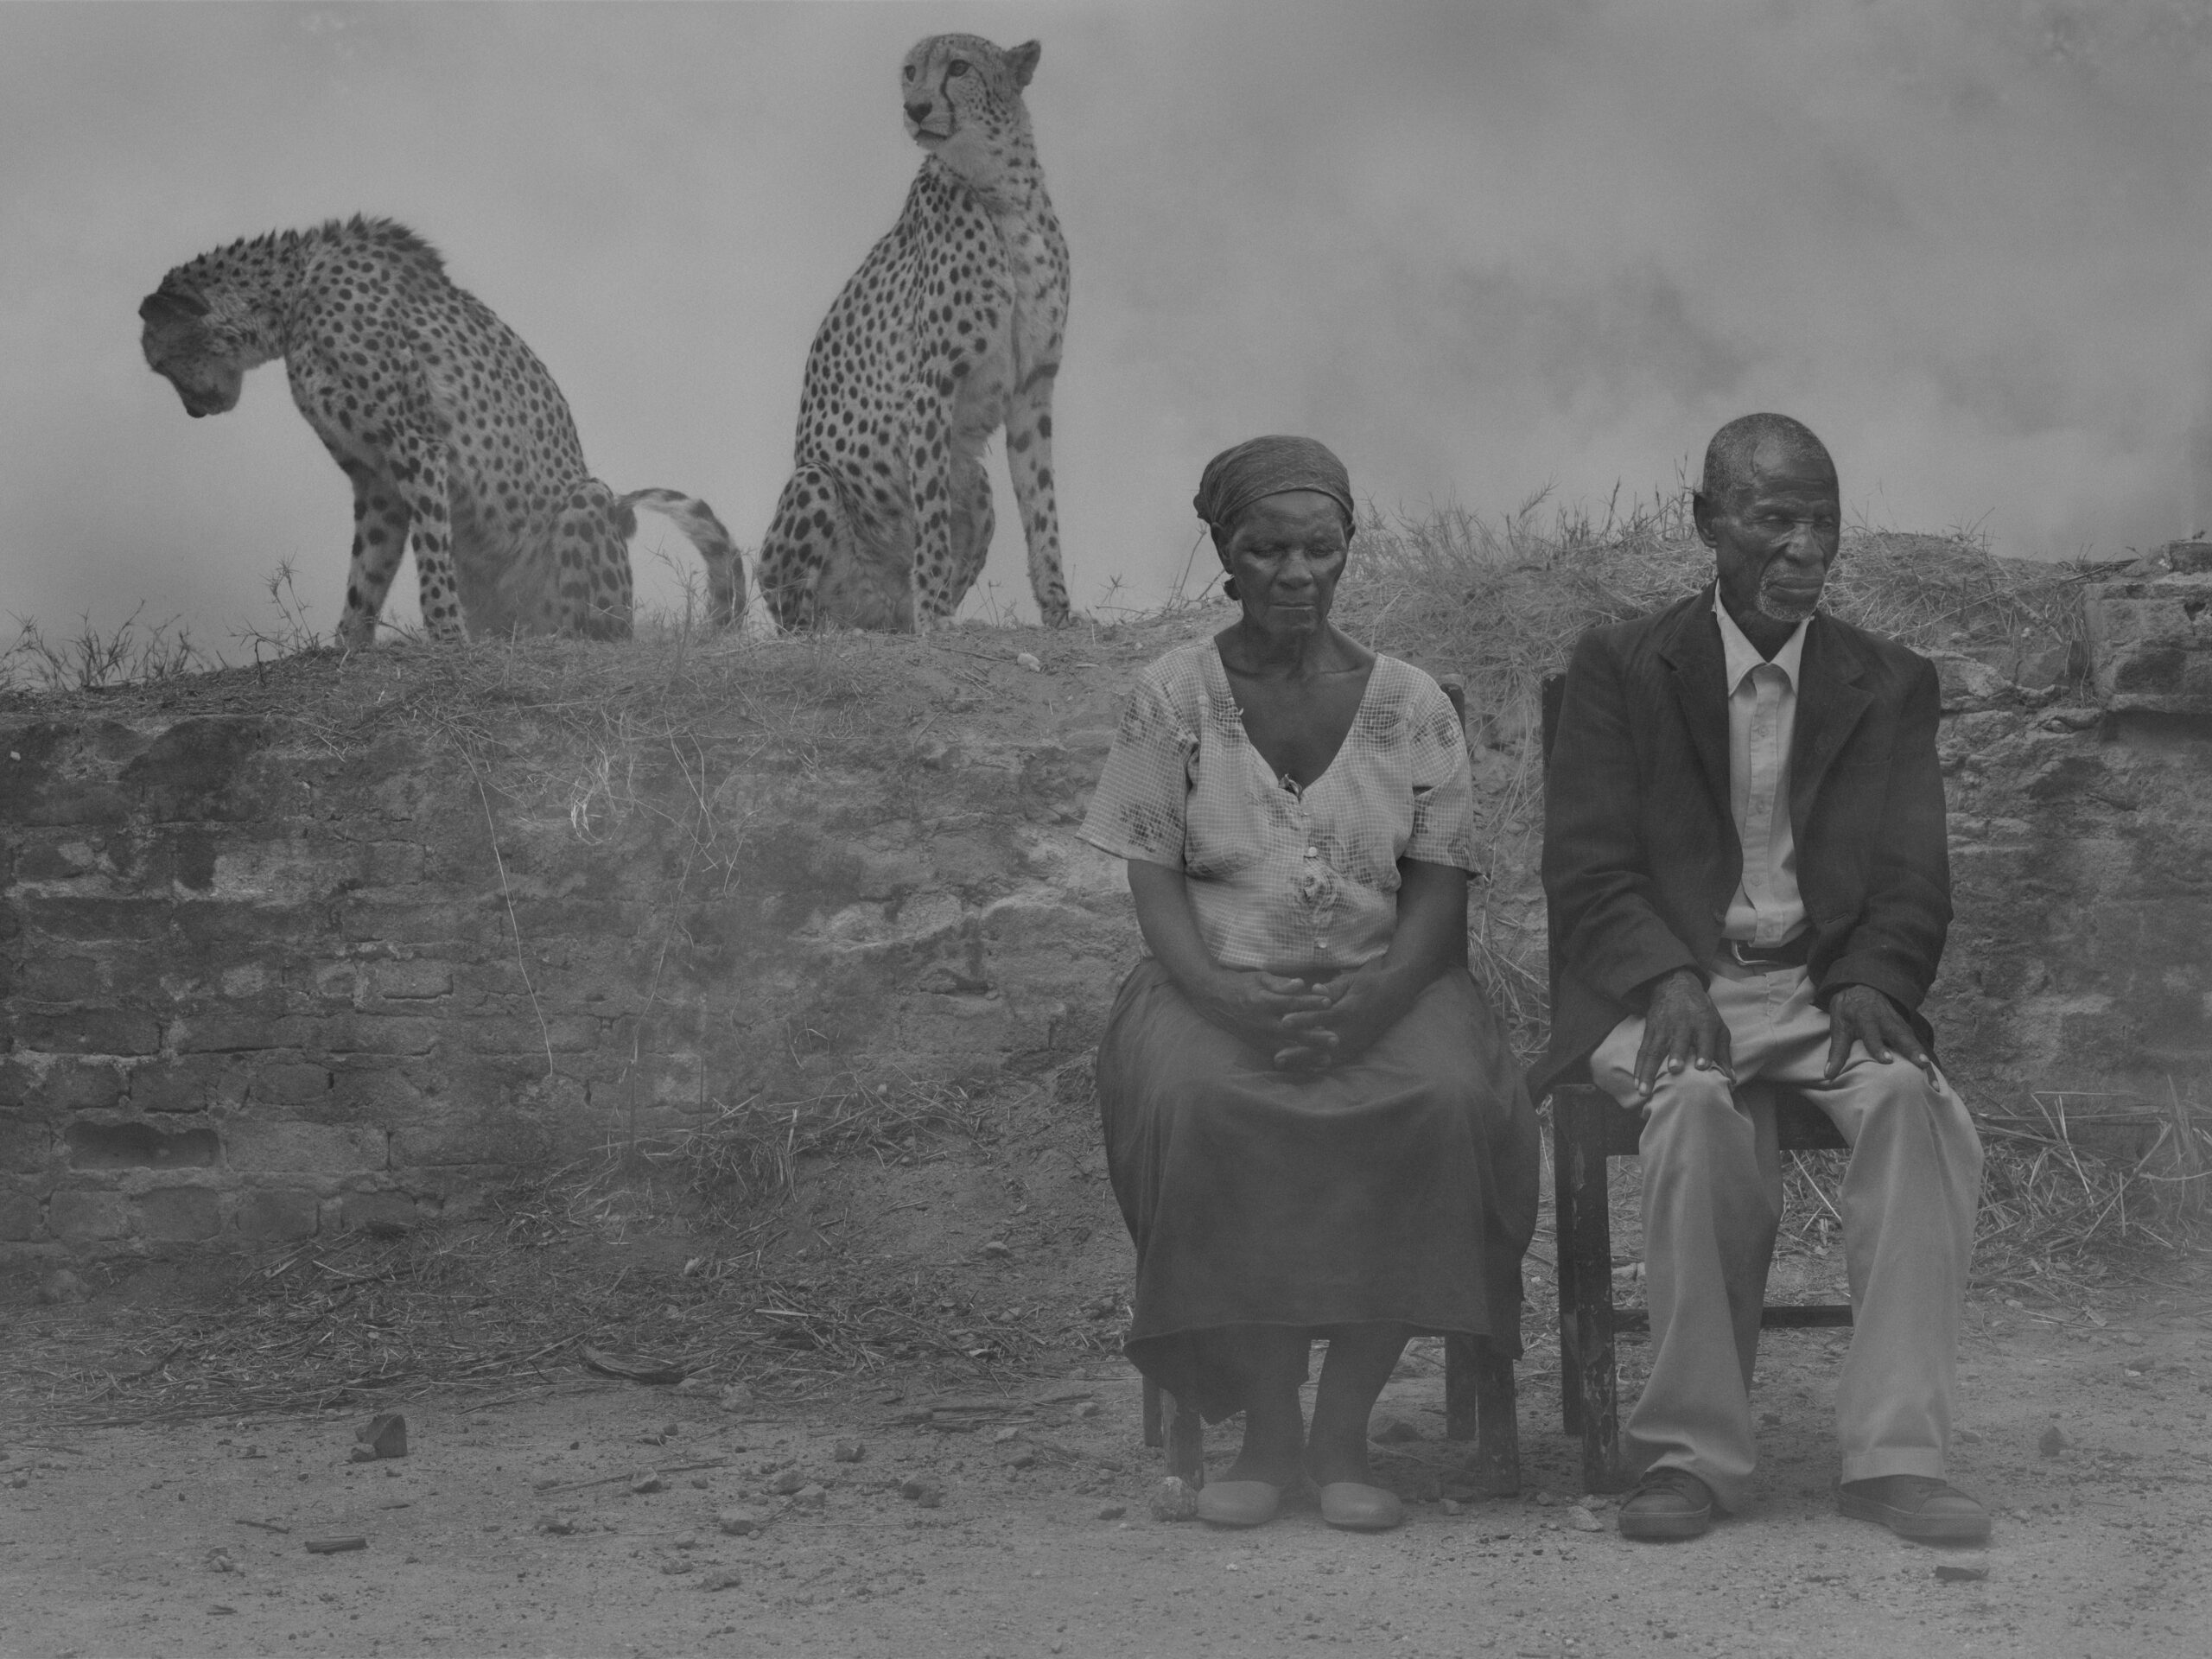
point(962, 98)
point(186, 343)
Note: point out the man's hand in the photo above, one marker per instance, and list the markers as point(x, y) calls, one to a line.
point(1860, 1014)
point(1681, 1024)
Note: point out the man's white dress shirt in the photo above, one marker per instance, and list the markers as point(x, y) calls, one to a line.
point(1767, 909)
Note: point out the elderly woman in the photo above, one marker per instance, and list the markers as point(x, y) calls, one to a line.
point(1314, 1125)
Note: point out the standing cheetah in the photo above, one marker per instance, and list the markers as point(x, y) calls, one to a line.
point(459, 446)
point(950, 328)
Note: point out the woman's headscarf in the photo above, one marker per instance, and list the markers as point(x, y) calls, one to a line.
point(1236, 477)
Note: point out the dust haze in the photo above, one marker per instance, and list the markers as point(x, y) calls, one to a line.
point(1481, 251)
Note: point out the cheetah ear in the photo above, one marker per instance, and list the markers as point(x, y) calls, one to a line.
point(169, 305)
point(1022, 60)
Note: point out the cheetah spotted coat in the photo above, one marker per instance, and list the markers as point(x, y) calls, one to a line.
point(459, 445)
point(949, 330)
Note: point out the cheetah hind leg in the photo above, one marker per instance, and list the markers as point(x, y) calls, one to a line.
point(591, 594)
point(810, 536)
point(725, 568)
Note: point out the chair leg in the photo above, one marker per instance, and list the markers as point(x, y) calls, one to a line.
point(1479, 1404)
point(1153, 1435)
point(1586, 1265)
point(1186, 1443)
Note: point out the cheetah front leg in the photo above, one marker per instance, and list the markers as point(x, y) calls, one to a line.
point(1029, 459)
point(930, 476)
point(380, 521)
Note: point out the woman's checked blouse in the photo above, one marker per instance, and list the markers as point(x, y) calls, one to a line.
point(1282, 878)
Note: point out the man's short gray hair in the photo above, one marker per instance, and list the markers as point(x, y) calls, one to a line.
point(1728, 457)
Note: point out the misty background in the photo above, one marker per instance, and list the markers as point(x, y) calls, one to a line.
point(1480, 250)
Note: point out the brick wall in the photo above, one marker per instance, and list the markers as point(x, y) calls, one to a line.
point(269, 969)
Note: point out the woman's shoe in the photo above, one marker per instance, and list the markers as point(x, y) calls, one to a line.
point(1239, 1503)
point(1357, 1507)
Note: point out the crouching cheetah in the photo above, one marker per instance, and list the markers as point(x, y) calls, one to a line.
point(949, 329)
point(459, 445)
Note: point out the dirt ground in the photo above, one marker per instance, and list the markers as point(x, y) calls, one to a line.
point(515, 1523)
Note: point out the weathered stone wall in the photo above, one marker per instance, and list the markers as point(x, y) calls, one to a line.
point(271, 965)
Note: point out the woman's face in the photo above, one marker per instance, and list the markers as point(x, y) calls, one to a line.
point(1286, 552)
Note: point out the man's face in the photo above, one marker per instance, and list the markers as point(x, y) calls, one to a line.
point(1774, 533)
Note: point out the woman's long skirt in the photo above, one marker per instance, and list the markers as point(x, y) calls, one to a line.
point(1399, 1188)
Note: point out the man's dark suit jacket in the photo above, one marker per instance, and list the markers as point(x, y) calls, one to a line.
point(1641, 856)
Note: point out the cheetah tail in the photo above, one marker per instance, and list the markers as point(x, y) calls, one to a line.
point(725, 569)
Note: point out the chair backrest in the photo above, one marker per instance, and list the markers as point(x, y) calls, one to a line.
point(1551, 695)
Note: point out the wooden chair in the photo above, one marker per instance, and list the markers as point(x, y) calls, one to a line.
point(1479, 1402)
point(1588, 1128)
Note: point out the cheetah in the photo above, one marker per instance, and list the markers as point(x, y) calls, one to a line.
point(459, 445)
point(949, 329)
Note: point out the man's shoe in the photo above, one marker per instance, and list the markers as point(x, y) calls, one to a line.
point(1239, 1503)
point(1667, 1504)
point(1357, 1507)
point(1919, 1507)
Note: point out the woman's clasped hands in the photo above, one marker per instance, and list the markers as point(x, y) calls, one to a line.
point(1305, 1024)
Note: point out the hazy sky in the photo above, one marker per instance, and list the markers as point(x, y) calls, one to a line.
point(1479, 249)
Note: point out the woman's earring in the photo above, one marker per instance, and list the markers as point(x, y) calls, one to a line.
point(1229, 587)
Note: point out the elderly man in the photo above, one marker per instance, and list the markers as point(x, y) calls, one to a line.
point(1746, 862)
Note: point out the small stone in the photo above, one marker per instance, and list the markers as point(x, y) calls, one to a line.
point(847, 1451)
point(927, 1493)
point(698, 1483)
point(997, 1247)
point(60, 1286)
point(810, 1497)
point(671, 1568)
point(1965, 1437)
point(1022, 1460)
point(1453, 1506)
point(560, 1526)
point(1961, 1571)
point(1392, 1430)
point(1113, 1511)
point(647, 1486)
point(218, 1561)
point(722, 1578)
point(735, 1397)
point(385, 1435)
point(1173, 1500)
point(668, 1430)
point(1088, 1408)
point(787, 1483)
point(1004, 1435)
point(737, 1523)
point(1028, 660)
point(1582, 1521)
point(361, 1454)
point(2053, 1442)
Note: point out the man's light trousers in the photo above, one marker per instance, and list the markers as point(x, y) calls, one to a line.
point(1712, 1201)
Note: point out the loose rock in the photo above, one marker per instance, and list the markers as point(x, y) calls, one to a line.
point(648, 1486)
point(787, 1483)
point(560, 1526)
point(737, 1523)
point(722, 1578)
point(1392, 1430)
point(810, 1497)
point(384, 1435)
point(847, 1451)
point(1582, 1521)
point(1961, 1571)
point(926, 1493)
point(2053, 1442)
point(735, 1397)
point(1113, 1511)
